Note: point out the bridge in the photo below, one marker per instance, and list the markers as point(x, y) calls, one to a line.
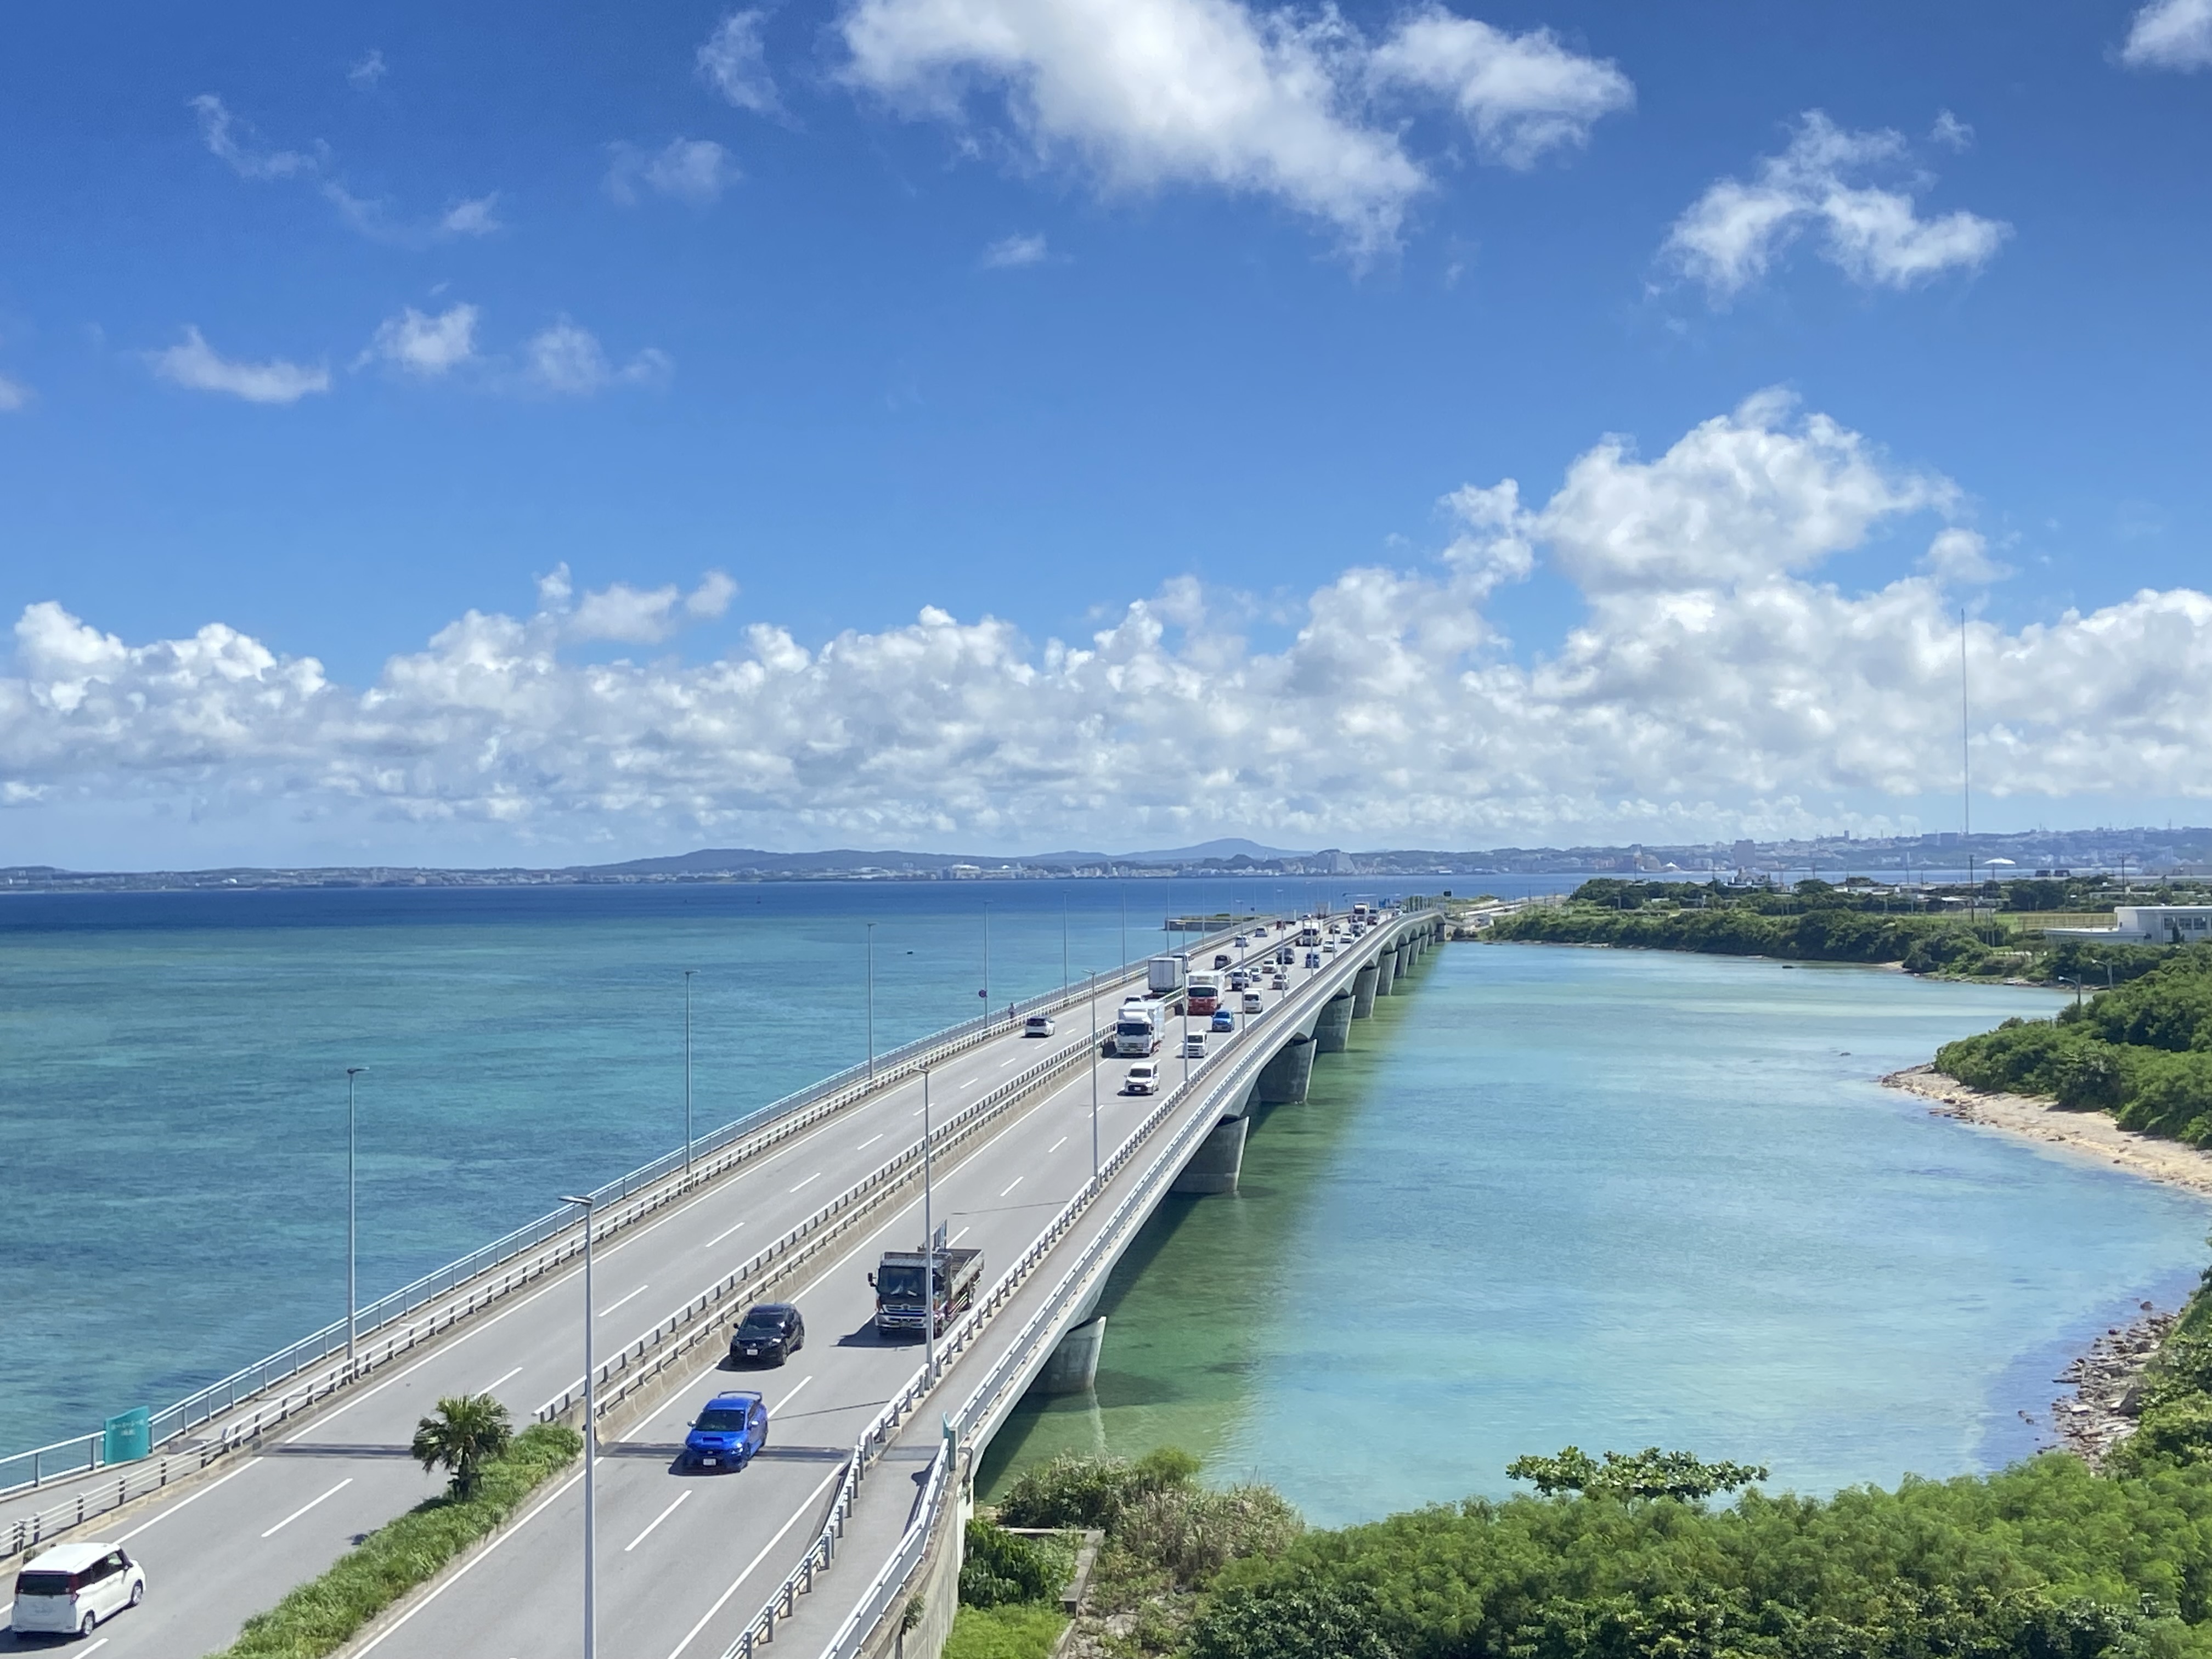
point(848, 1523)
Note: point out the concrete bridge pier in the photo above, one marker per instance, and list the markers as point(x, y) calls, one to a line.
point(1386, 973)
point(1213, 1168)
point(1073, 1367)
point(1363, 992)
point(1333, 1031)
point(1283, 1080)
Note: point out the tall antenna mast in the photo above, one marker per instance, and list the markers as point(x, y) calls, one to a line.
point(1966, 777)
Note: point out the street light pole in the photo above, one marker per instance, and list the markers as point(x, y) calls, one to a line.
point(1063, 949)
point(928, 1242)
point(352, 1303)
point(1094, 1077)
point(987, 964)
point(871, 927)
point(688, 972)
point(590, 1450)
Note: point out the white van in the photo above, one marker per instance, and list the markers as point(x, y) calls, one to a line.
point(1252, 1004)
point(1143, 1079)
point(72, 1586)
point(1034, 1026)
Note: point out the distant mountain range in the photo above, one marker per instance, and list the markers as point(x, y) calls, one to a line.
point(2185, 851)
point(711, 859)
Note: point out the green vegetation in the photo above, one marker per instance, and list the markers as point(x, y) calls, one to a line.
point(1815, 921)
point(1622, 1557)
point(2142, 1051)
point(322, 1614)
point(1020, 1631)
point(466, 1432)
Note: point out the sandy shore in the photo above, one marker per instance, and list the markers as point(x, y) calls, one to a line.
point(2090, 1133)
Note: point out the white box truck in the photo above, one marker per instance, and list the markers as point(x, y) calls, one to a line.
point(1136, 1029)
point(1163, 976)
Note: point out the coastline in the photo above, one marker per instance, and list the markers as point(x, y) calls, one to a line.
point(2091, 1133)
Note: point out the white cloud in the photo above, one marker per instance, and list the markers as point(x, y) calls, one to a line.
point(1521, 95)
point(735, 64)
point(694, 170)
point(1717, 684)
point(1010, 251)
point(474, 217)
point(1950, 131)
point(230, 140)
point(13, 395)
point(1152, 93)
point(1730, 236)
point(369, 70)
point(195, 364)
point(2175, 34)
point(426, 345)
point(1962, 557)
point(219, 131)
point(631, 615)
point(569, 362)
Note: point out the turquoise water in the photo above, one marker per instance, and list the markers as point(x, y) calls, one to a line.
point(173, 1102)
point(1620, 1199)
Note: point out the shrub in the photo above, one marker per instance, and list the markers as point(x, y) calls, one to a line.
point(1076, 1491)
point(997, 1568)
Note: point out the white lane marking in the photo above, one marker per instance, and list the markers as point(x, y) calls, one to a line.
point(720, 1236)
point(957, 1237)
point(1004, 1063)
point(1015, 1182)
point(1055, 1147)
point(305, 1507)
point(181, 1502)
point(722, 1600)
point(632, 1297)
point(916, 1112)
point(470, 1565)
point(869, 1142)
point(489, 1387)
point(971, 1082)
point(792, 1396)
point(95, 1648)
point(655, 1521)
point(816, 1177)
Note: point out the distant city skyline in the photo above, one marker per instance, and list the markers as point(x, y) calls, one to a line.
point(428, 436)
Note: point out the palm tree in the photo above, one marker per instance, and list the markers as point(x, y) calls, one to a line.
point(467, 1429)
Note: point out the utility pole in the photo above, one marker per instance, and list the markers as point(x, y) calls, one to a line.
point(1094, 1079)
point(591, 1451)
point(928, 1244)
point(352, 1301)
point(871, 927)
point(688, 1136)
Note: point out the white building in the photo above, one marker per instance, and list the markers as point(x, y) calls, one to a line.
point(2147, 924)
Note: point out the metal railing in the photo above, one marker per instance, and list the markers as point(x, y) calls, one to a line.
point(890, 1582)
point(669, 1176)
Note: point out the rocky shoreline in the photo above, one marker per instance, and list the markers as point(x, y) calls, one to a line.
point(2107, 1386)
point(2101, 1411)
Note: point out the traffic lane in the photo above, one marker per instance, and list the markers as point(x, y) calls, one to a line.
point(998, 1201)
point(665, 1595)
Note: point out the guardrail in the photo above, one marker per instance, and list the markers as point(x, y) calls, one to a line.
point(885, 1590)
point(669, 1176)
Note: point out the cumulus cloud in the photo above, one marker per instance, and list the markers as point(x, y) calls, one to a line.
point(735, 63)
point(631, 615)
point(2172, 34)
point(233, 142)
point(425, 345)
point(13, 395)
point(567, 361)
point(196, 365)
point(1731, 236)
point(1521, 95)
point(1962, 556)
point(1717, 683)
point(1151, 92)
point(694, 170)
point(1010, 251)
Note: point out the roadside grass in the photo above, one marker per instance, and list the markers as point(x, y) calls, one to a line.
point(321, 1615)
point(1018, 1630)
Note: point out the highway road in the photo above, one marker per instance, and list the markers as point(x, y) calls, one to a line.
point(684, 1558)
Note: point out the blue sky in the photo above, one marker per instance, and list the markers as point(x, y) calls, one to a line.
point(330, 329)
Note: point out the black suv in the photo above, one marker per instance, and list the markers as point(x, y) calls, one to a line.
point(770, 1334)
